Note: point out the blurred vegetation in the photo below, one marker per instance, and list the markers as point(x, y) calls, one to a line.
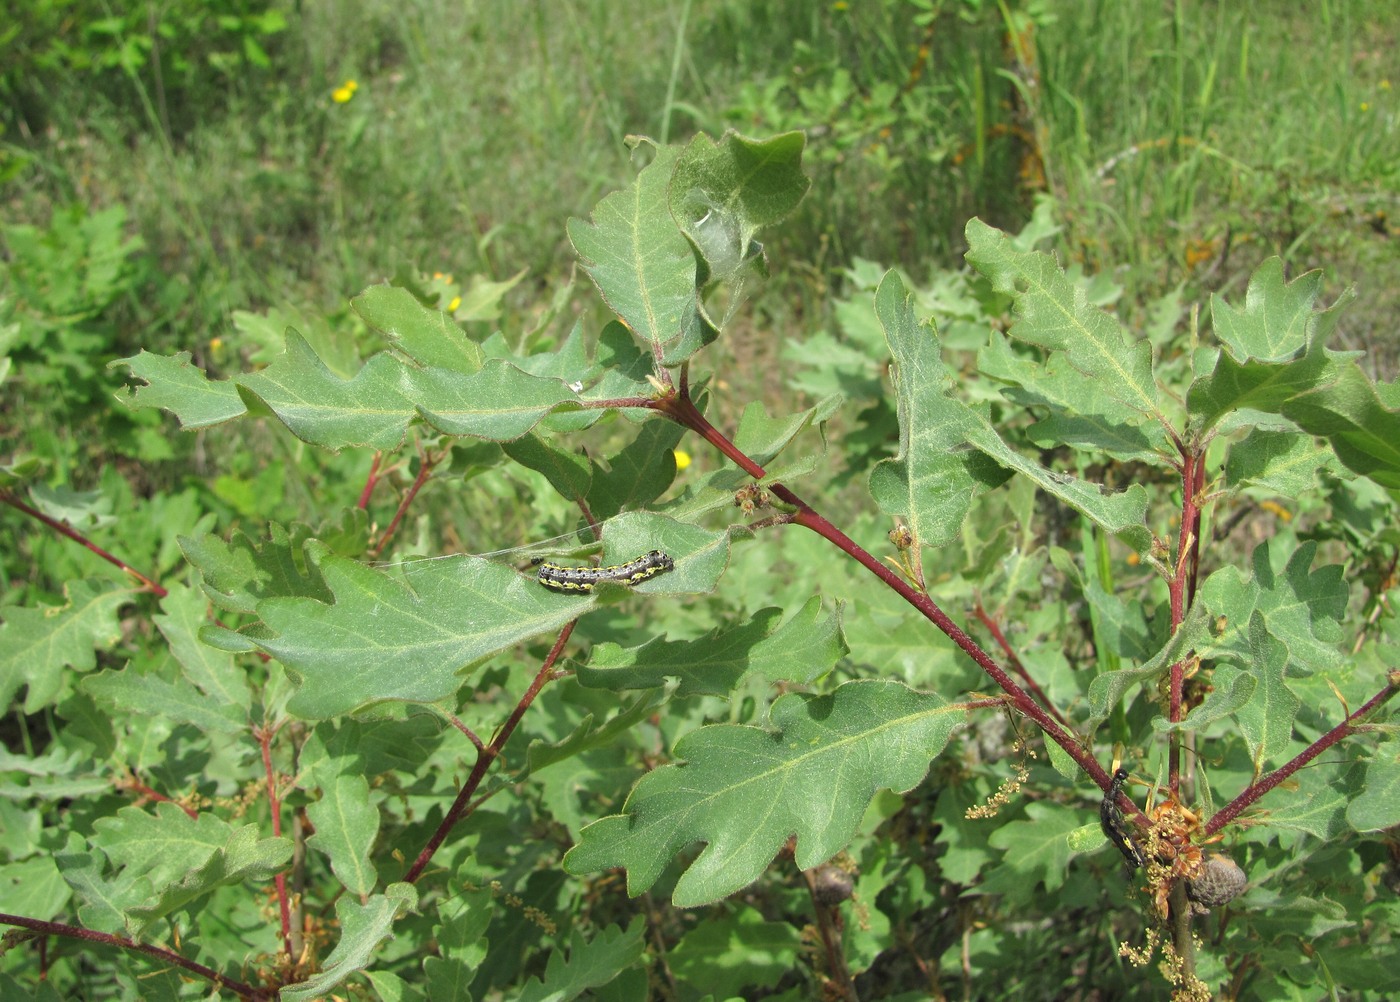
point(198, 175)
point(194, 176)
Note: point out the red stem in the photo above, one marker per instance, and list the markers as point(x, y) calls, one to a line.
point(1182, 591)
point(1256, 790)
point(64, 530)
point(264, 736)
point(141, 788)
point(162, 954)
point(485, 756)
point(685, 412)
point(995, 629)
point(370, 481)
point(425, 469)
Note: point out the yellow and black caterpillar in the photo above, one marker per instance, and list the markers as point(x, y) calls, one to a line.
point(1112, 823)
point(557, 577)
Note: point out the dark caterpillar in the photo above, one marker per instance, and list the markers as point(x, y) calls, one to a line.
point(1111, 821)
point(557, 577)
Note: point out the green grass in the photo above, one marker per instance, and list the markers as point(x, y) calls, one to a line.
point(1184, 142)
point(1230, 134)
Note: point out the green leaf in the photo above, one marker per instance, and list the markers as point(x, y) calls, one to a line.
point(409, 634)
point(1286, 462)
point(500, 403)
point(567, 472)
point(933, 481)
point(346, 827)
point(460, 947)
point(240, 573)
point(1035, 851)
point(727, 953)
point(760, 181)
point(186, 611)
point(745, 790)
point(586, 736)
point(163, 846)
point(427, 336)
point(1080, 413)
point(1235, 390)
point(38, 646)
point(643, 265)
point(1359, 418)
point(104, 901)
point(1377, 806)
point(1108, 689)
point(723, 193)
point(762, 438)
point(173, 384)
point(1303, 608)
point(624, 368)
point(1231, 689)
point(363, 927)
point(483, 297)
point(637, 474)
point(1266, 722)
point(1317, 805)
point(933, 426)
point(591, 964)
point(243, 857)
point(372, 409)
point(801, 650)
point(34, 888)
point(81, 510)
point(1278, 321)
point(403, 636)
point(134, 691)
point(1054, 312)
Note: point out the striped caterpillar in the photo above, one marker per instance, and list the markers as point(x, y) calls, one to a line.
point(557, 577)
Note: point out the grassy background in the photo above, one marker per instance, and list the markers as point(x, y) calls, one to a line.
point(1183, 142)
point(1180, 143)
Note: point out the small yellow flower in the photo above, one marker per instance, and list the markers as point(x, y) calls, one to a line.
point(456, 302)
point(216, 343)
point(682, 459)
point(344, 92)
point(1384, 85)
point(840, 5)
point(1365, 105)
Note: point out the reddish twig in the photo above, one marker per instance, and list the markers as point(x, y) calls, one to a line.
point(136, 786)
point(1254, 791)
point(425, 469)
point(66, 530)
point(684, 412)
point(274, 802)
point(159, 952)
point(485, 756)
point(370, 481)
point(1181, 588)
point(1015, 661)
